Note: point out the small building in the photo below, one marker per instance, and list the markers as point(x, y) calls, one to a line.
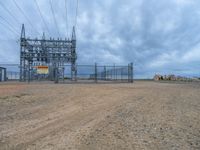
point(158, 77)
point(172, 77)
point(2, 74)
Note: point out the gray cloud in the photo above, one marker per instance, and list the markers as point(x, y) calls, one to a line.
point(158, 36)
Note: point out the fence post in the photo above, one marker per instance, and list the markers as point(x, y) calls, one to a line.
point(55, 68)
point(95, 74)
point(121, 73)
point(56, 75)
point(29, 74)
point(128, 73)
point(105, 73)
point(131, 69)
point(5, 76)
point(63, 75)
point(114, 72)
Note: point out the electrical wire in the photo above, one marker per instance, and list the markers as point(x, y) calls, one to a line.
point(45, 24)
point(10, 13)
point(66, 15)
point(9, 24)
point(54, 18)
point(42, 17)
point(76, 17)
point(25, 15)
point(13, 31)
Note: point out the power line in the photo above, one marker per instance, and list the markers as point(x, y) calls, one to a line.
point(15, 18)
point(24, 15)
point(9, 64)
point(10, 12)
point(66, 15)
point(9, 24)
point(42, 16)
point(13, 31)
point(77, 4)
point(8, 40)
point(54, 18)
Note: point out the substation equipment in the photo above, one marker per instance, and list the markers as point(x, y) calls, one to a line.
point(46, 58)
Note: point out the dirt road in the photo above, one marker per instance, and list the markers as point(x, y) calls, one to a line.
point(143, 115)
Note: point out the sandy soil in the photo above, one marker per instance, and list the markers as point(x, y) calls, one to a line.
point(143, 115)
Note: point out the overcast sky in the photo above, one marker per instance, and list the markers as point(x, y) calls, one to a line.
point(159, 36)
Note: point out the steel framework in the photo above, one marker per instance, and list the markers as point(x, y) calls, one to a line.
point(113, 73)
point(54, 53)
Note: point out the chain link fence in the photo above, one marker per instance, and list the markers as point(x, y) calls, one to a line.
point(85, 74)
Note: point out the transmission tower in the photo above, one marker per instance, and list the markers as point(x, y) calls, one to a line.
point(51, 53)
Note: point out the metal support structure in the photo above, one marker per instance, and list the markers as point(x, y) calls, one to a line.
point(105, 73)
point(3, 74)
point(54, 53)
point(74, 56)
point(130, 72)
point(113, 73)
point(95, 70)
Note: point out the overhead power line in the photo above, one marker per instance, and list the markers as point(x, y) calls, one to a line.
point(9, 28)
point(9, 24)
point(9, 64)
point(45, 24)
point(25, 15)
point(66, 15)
point(76, 17)
point(54, 18)
point(15, 18)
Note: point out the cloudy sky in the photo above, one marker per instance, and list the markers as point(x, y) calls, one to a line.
point(159, 36)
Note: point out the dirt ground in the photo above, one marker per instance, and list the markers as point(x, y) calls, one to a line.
point(142, 115)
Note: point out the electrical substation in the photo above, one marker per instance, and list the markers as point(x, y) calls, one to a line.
point(46, 57)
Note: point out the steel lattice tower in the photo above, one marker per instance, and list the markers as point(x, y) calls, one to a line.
point(54, 53)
